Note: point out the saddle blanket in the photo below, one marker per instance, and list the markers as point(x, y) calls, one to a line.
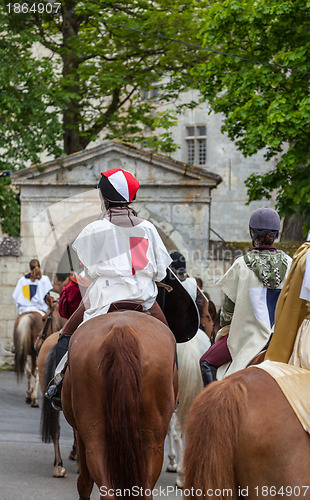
point(295, 384)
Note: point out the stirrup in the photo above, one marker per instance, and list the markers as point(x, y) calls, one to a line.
point(53, 394)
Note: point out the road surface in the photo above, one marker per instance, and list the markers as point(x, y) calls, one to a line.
point(26, 464)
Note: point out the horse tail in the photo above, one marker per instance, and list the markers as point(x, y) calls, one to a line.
point(23, 344)
point(212, 435)
point(189, 374)
point(49, 425)
point(122, 375)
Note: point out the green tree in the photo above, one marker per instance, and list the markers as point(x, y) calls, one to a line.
point(9, 207)
point(265, 105)
point(91, 75)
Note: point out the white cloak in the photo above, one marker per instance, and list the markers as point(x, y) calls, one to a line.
point(123, 262)
point(250, 328)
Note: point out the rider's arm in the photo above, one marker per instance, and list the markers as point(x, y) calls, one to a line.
point(227, 312)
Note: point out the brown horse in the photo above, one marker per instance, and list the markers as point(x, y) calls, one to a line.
point(44, 344)
point(51, 322)
point(26, 328)
point(119, 393)
point(207, 314)
point(244, 440)
point(50, 427)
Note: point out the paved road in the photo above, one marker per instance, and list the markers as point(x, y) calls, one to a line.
point(26, 464)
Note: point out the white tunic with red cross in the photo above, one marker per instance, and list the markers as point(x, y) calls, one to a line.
point(123, 262)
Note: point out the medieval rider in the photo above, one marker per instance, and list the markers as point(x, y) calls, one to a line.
point(31, 289)
point(123, 257)
point(290, 342)
point(251, 288)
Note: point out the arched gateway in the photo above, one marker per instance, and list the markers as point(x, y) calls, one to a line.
point(58, 199)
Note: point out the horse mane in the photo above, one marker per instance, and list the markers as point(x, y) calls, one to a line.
point(216, 326)
point(212, 310)
point(123, 443)
point(215, 414)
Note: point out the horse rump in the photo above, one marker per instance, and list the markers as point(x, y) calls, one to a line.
point(212, 435)
point(22, 343)
point(123, 441)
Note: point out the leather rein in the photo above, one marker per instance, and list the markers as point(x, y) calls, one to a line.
point(49, 322)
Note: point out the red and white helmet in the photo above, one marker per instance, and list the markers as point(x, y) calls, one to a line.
point(118, 186)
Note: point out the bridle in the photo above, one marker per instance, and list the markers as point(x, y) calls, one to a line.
point(49, 322)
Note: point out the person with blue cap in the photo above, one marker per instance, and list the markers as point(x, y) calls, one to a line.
point(251, 288)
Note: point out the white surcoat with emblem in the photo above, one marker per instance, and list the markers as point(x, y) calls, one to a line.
point(253, 317)
point(123, 262)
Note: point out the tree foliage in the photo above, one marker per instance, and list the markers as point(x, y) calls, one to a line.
point(9, 208)
point(90, 78)
point(265, 105)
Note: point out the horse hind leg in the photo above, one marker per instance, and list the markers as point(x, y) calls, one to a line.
point(178, 437)
point(29, 384)
point(84, 483)
point(172, 464)
point(59, 470)
point(34, 381)
point(74, 452)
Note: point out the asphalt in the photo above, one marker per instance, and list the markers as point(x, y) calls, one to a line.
point(26, 464)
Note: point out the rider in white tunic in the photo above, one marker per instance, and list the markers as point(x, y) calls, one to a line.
point(123, 257)
point(251, 289)
point(31, 289)
point(123, 262)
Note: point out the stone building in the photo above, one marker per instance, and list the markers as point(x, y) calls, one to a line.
point(58, 199)
point(201, 142)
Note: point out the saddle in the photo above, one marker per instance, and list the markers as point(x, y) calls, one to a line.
point(125, 305)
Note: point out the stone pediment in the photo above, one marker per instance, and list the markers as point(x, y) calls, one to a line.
point(83, 169)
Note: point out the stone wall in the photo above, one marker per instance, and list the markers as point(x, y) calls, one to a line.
point(11, 269)
point(229, 212)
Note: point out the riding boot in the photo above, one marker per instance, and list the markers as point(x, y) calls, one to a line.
point(53, 391)
point(62, 347)
point(208, 372)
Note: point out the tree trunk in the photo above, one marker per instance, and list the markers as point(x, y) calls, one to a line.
point(71, 114)
point(292, 228)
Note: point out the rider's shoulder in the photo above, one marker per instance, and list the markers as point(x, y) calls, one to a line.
point(94, 226)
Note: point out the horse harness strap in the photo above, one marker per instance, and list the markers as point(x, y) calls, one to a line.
point(49, 320)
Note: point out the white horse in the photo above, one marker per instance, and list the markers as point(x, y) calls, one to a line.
point(190, 385)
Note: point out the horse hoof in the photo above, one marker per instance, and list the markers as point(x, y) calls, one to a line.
point(179, 484)
point(59, 471)
point(34, 404)
point(73, 455)
point(28, 400)
point(171, 468)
